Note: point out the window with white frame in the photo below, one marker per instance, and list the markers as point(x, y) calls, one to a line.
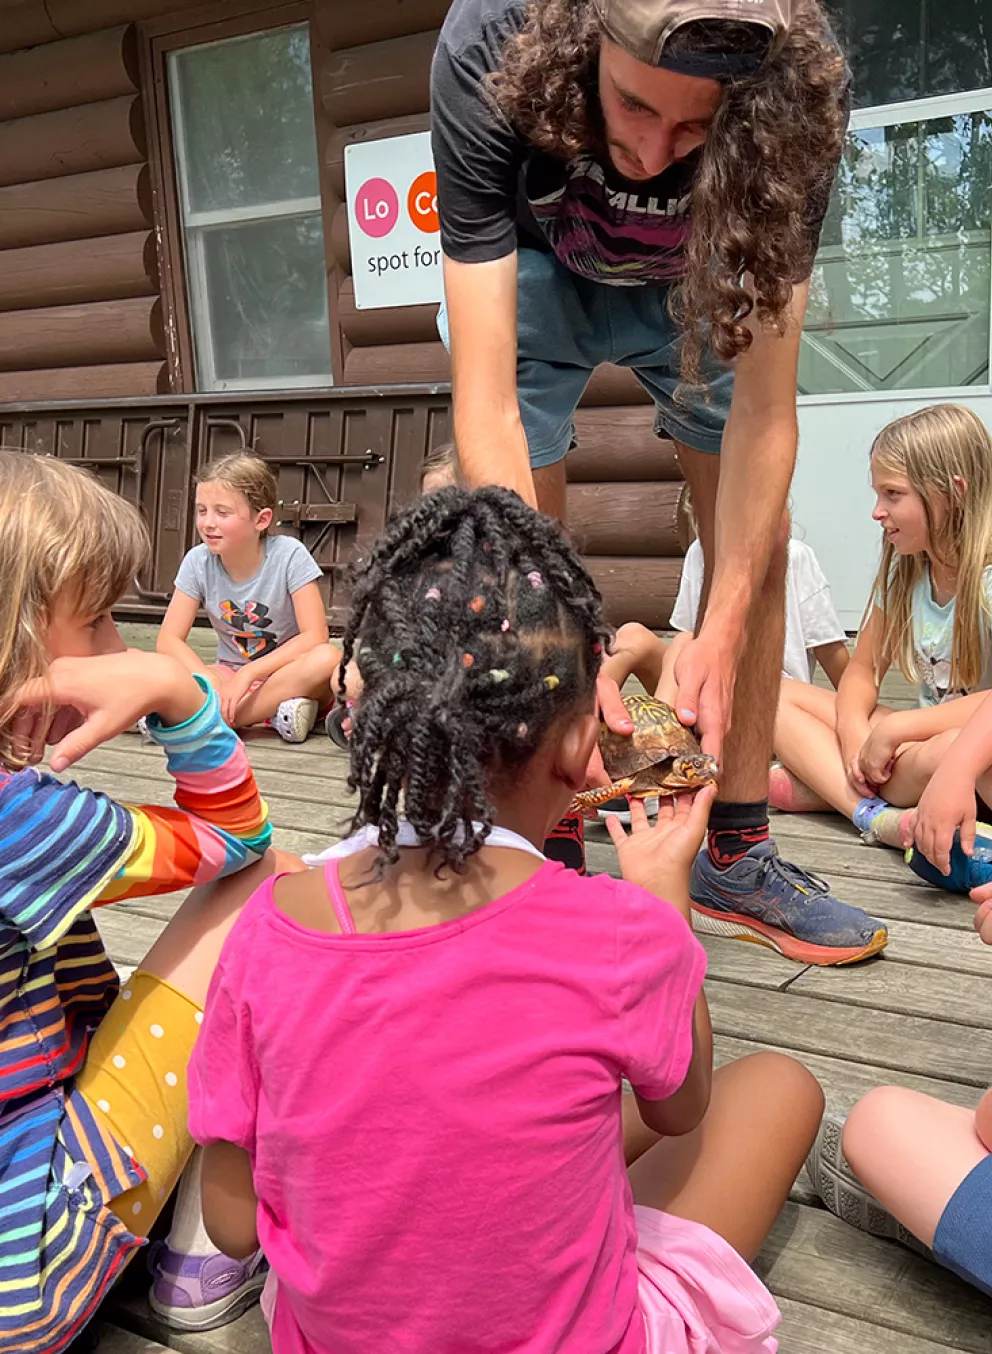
point(249, 197)
point(901, 294)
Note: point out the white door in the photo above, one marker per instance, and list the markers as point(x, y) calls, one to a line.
point(899, 312)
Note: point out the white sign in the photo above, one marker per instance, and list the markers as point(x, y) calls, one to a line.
point(392, 222)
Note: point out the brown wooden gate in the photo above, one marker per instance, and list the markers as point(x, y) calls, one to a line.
point(343, 460)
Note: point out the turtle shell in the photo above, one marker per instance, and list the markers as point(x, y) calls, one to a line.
point(658, 734)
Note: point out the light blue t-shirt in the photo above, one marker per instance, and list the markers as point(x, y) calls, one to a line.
point(255, 617)
point(933, 640)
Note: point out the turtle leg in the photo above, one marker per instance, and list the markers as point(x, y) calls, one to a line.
point(591, 799)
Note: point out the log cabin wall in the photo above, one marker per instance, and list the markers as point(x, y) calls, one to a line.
point(80, 313)
point(372, 70)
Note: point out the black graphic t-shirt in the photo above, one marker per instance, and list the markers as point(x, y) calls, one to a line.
point(496, 192)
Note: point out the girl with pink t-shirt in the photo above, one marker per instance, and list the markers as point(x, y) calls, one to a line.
point(409, 1079)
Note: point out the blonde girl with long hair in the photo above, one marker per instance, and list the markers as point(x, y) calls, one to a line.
point(929, 615)
point(93, 1099)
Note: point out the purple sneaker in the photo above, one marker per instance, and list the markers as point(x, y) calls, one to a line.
point(202, 1292)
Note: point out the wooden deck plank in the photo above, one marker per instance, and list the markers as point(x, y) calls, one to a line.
point(115, 1340)
point(844, 1080)
point(788, 1021)
point(814, 1258)
point(814, 1330)
point(248, 1335)
point(955, 998)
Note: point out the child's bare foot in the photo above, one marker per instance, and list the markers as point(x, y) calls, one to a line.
point(789, 794)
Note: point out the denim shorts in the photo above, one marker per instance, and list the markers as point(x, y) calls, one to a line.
point(567, 325)
point(963, 1240)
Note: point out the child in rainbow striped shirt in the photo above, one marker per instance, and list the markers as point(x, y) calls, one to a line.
point(93, 1103)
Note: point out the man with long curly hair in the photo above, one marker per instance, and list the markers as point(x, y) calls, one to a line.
point(644, 182)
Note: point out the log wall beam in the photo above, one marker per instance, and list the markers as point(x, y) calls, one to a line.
point(346, 25)
point(75, 336)
point(619, 444)
point(67, 384)
point(77, 271)
point(105, 202)
point(369, 328)
point(637, 589)
point(625, 519)
point(79, 140)
point(382, 80)
point(391, 362)
point(65, 74)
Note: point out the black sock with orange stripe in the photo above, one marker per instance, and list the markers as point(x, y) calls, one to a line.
point(734, 829)
point(567, 843)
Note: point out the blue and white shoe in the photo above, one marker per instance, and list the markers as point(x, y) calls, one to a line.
point(768, 901)
point(967, 872)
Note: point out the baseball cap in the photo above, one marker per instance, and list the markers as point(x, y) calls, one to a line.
point(643, 28)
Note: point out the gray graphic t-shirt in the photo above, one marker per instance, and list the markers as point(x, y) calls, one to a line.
point(255, 617)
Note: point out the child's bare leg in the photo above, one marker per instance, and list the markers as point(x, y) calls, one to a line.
point(806, 743)
point(186, 952)
point(734, 1172)
point(911, 1152)
point(312, 676)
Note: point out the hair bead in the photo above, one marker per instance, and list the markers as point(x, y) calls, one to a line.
point(467, 660)
point(551, 682)
point(477, 604)
point(499, 675)
point(432, 595)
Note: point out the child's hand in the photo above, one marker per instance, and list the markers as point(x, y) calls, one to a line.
point(108, 695)
point(234, 691)
point(946, 806)
point(659, 858)
point(878, 754)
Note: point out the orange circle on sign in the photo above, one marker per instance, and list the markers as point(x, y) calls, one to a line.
point(422, 203)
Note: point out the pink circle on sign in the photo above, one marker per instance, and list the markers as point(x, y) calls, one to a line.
point(377, 207)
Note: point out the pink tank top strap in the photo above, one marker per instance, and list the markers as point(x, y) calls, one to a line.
point(338, 901)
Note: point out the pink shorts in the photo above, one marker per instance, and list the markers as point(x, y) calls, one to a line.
point(697, 1295)
point(227, 671)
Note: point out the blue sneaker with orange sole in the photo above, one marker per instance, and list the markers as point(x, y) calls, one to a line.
point(967, 872)
point(768, 901)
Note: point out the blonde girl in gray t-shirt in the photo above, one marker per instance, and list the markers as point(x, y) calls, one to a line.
point(274, 663)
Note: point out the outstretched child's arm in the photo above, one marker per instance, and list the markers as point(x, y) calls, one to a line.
point(230, 1204)
point(658, 859)
point(174, 632)
point(65, 848)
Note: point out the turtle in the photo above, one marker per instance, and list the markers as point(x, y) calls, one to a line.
point(661, 757)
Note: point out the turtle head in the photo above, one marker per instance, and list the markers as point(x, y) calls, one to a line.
point(692, 770)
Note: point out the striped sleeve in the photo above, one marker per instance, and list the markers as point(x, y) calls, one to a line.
point(221, 823)
point(64, 849)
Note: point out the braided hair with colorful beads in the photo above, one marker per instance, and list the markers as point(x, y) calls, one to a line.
point(475, 627)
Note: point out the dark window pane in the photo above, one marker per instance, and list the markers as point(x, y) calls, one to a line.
point(911, 49)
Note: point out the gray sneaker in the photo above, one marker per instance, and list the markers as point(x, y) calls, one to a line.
point(840, 1189)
